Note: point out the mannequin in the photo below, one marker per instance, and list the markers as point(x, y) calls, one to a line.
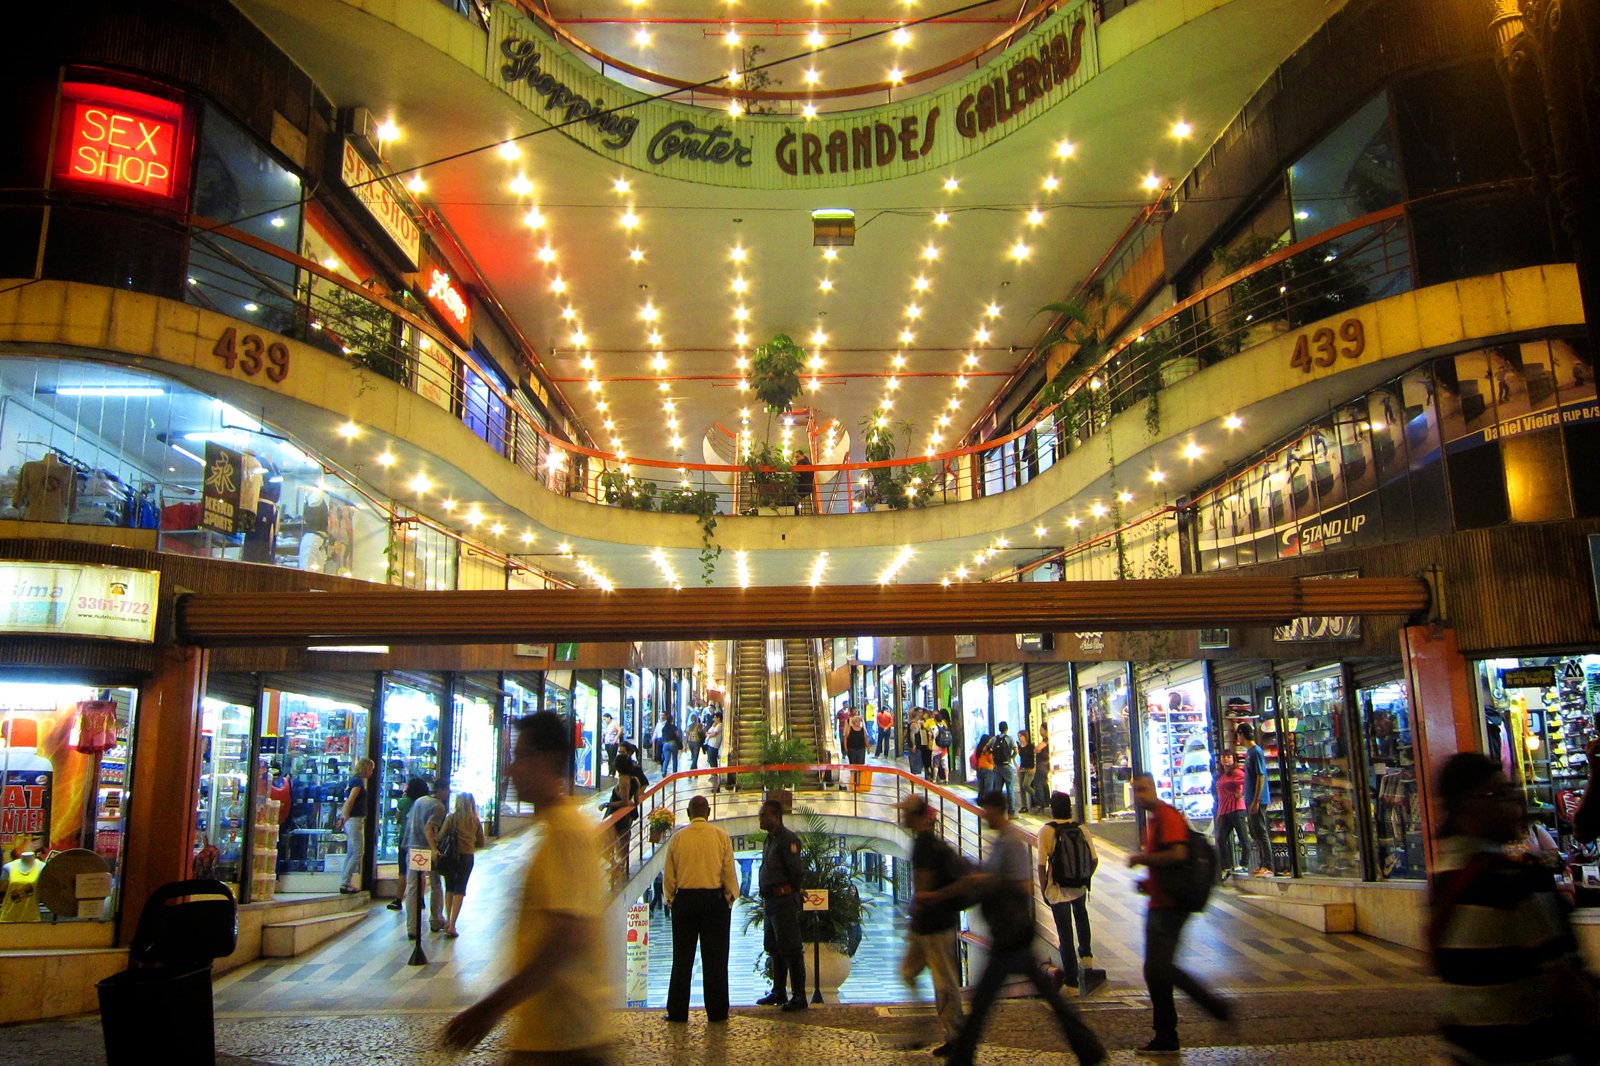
point(19, 884)
point(314, 540)
point(47, 490)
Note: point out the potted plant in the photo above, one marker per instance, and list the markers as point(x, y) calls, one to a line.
point(1257, 304)
point(826, 858)
point(885, 484)
point(620, 489)
point(772, 479)
point(661, 820)
point(778, 749)
point(775, 374)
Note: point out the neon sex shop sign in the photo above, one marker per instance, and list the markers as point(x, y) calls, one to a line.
point(121, 142)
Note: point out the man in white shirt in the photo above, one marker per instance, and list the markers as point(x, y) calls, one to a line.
point(700, 883)
point(558, 985)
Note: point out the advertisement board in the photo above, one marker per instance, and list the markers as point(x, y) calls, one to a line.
point(79, 600)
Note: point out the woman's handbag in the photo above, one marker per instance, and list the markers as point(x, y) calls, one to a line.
point(448, 853)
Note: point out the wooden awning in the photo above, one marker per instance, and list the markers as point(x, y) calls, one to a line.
point(400, 616)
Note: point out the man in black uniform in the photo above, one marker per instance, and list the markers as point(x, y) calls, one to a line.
point(782, 878)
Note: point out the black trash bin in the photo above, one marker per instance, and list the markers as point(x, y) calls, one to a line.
point(183, 927)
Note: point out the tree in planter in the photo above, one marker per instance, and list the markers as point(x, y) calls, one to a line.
point(777, 749)
point(366, 334)
point(775, 375)
point(826, 859)
point(1083, 325)
point(703, 505)
point(885, 484)
point(772, 477)
point(624, 490)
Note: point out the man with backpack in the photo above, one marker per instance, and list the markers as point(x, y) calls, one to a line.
point(931, 942)
point(1182, 869)
point(1004, 750)
point(1067, 862)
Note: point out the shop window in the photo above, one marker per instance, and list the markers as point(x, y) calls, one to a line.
point(1321, 784)
point(239, 184)
point(65, 757)
point(474, 744)
point(309, 746)
point(1430, 501)
point(223, 812)
point(1390, 767)
point(974, 717)
point(482, 409)
point(1103, 692)
point(1538, 712)
point(1467, 388)
point(1251, 701)
point(1386, 434)
point(410, 749)
point(1572, 367)
point(1175, 722)
point(585, 727)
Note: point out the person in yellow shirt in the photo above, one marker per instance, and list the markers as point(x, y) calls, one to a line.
point(700, 883)
point(557, 993)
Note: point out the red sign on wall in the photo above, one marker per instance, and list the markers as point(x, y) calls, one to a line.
point(122, 142)
point(447, 296)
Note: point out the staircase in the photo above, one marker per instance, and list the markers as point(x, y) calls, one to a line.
point(800, 694)
point(749, 712)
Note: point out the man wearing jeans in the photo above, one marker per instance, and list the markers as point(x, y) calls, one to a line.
point(1006, 884)
point(1004, 750)
point(931, 943)
point(1166, 843)
point(1256, 798)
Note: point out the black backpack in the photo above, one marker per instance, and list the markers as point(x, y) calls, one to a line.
point(942, 737)
point(1189, 883)
point(1003, 750)
point(1072, 864)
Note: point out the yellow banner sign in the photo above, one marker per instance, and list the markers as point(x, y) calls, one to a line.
point(78, 600)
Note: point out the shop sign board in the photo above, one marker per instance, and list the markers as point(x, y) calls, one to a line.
point(79, 600)
point(814, 899)
point(384, 206)
point(222, 489)
point(1528, 677)
point(638, 954)
point(966, 646)
point(448, 297)
point(921, 133)
point(116, 141)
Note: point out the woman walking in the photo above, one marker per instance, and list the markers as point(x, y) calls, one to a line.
point(468, 828)
point(855, 750)
point(983, 763)
point(713, 748)
point(353, 820)
point(1025, 770)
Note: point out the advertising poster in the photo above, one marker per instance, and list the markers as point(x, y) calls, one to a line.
point(221, 492)
point(67, 599)
point(585, 720)
point(47, 781)
point(638, 954)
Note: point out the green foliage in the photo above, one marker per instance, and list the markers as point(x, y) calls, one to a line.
point(888, 485)
point(776, 749)
point(703, 505)
point(775, 373)
point(772, 476)
point(827, 859)
point(626, 491)
point(366, 334)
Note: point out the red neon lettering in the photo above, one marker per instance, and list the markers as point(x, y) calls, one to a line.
point(441, 290)
point(120, 149)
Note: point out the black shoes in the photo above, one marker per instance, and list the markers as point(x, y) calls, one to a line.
point(674, 1021)
point(797, 1003)
point(1159, 1047)
point(394, 905)
point(772, 999)
point(943, 1051)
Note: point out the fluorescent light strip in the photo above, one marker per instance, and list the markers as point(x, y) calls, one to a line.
point(110, 390)
point(181, 450)
point(357, 649)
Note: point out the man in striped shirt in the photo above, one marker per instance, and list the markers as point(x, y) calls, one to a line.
point(1500, 935)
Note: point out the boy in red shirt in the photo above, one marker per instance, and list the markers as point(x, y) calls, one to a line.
point(1166, 843)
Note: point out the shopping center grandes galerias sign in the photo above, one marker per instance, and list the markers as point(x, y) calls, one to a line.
point(700, 144)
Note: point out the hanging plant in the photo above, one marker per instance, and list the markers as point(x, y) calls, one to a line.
point(775, 373)
point(703, 505)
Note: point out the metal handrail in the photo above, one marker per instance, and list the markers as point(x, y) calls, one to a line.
point(959, 821)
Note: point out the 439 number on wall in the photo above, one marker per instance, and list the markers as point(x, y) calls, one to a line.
point(1325, 346)
point(252, 354)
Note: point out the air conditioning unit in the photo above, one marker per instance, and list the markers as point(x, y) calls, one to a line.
point(833, 227)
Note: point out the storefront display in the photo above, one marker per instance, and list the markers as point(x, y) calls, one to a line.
point(1247, 696)
point(1177, 725)
point(974, 718)
point(1104, 693)
point(1538, 713)
point(1322, 786)
point(1391, 771)
point(474, 741)
point(585, 725)
point(1008, 691)
point(226, 730)
point(64, 771)
point(314, 743)
point(410, 749)
point(1058, 716)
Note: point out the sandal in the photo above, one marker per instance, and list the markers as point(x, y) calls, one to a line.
point(451, 934)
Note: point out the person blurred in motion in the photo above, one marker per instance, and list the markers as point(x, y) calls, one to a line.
point(558, 988)
point(1500, 935)
point(1005, 886)
point(1166, 843)
point(464, 822)
point(700, 883)
point(931, 940)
